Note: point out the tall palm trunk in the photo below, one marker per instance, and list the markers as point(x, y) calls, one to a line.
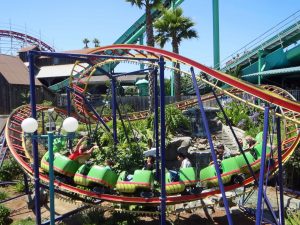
point(177, 88)
point(149, 26)
point(150, 42)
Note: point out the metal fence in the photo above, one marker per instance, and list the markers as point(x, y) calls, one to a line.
point(138, 103)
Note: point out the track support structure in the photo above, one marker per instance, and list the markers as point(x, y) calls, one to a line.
point(211, 145)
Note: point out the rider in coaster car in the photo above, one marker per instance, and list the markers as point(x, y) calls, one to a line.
point(82, 150)
point(149, 164)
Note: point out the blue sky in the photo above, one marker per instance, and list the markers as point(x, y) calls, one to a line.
point(66, 23)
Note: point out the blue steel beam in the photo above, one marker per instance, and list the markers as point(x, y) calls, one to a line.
point(162, 141)
point(85, 57)
point(211, 145)
point(34, 141)
point(156, 126)
point(280, 180)
point(114, 110)
point(90, 107)
point(258, 219)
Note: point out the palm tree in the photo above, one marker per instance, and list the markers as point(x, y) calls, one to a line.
point(174, 27)
point(96, 42)
point(86, 41)
point(148, 5)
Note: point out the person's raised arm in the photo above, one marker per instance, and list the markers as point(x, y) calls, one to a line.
point(91, 149)
point(77, 147)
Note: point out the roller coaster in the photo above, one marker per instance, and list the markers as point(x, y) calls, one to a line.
point(234, 172)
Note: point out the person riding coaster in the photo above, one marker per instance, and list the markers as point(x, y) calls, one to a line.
point(82, 150)
point(233, 170)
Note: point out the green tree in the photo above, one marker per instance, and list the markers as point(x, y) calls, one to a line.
point(86, 41)
point(148, 5)
point(96, 42)
point(174, 27)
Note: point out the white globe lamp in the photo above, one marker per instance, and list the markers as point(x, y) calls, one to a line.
point(70, 124)
point(29, 125)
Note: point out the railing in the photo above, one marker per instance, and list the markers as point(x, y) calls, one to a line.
point(138, 103)
point(271, 36)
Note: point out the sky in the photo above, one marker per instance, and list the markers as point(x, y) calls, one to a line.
point(65, 23)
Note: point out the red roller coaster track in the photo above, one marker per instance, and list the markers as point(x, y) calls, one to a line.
point(289, 108)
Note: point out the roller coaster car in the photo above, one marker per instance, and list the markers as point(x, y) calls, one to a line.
point(142, 181)
point(188, 176)
point(173, 187)
point(88, 175)
point(187, 181)
point(61, 164)
point(257, 151)
point(230, 171)
point(240, 160)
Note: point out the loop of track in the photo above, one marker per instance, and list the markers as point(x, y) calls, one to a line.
point(289, 110)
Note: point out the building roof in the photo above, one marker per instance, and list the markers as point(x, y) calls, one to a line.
point(295, 69)
point(80, 51)
point(56, 71)
point(14, 70)
point(65, 71)
point(130, 79)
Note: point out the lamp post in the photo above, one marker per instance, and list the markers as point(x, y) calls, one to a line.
point(30, 125)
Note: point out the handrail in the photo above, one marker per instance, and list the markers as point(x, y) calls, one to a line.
point(274, 34)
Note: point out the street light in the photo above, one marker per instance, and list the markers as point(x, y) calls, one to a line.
point(30, 125)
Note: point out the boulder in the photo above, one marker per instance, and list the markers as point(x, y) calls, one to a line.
point(202, 140)
point(178, 144)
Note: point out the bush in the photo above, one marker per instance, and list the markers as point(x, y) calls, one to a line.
point(292, 218)
point(106, 110)
point(28, 221)
point(243, 117)
point(3, 195)
point(175, 121)
point(4, 214)
point(20, 186)
point(10, 170)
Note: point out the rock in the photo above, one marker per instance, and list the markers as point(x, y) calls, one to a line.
point(202, 146)
point(186, 142)
point(199, 159)
point(178, 144)
point(192, 150)
point(202, 141)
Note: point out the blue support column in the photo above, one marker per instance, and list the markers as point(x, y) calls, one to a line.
point(114, 110)
point(262, 168)
point(34, 141)
point(280, 180)
point(68, 102)
point(51, 177)
point(69, 114)
point(162, 141)
point(26, 186)
point(156, 126)
point(211, 145)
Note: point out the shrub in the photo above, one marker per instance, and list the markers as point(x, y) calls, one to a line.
point(3, 195)
point(4, 214)
point(175, 121)
point(20, 186)
point(292, 218)
point(10, 170)
point(243, 117)
point(27, 221)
